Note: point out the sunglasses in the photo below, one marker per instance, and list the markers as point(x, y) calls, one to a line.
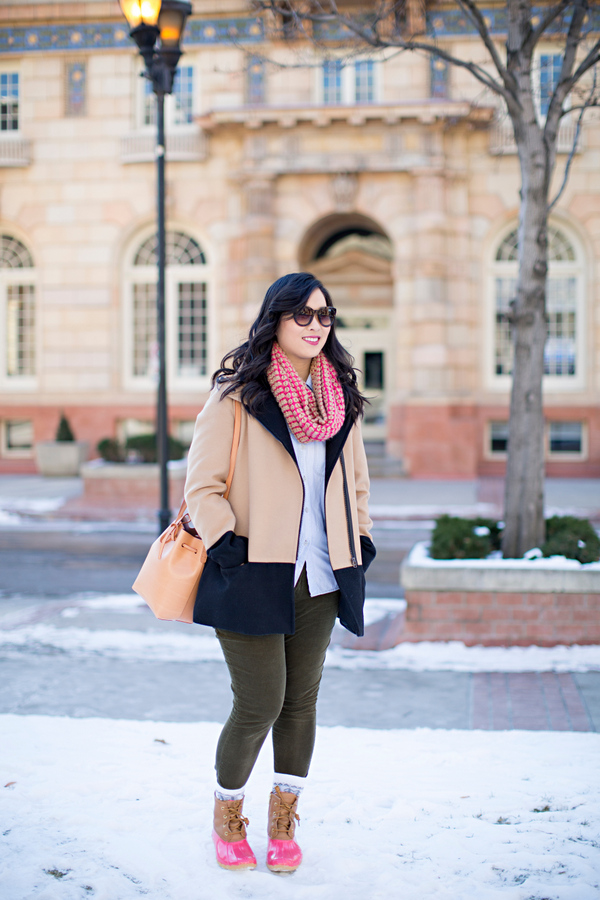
point(325, 315)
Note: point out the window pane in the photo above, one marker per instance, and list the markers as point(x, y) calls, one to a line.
point(180, 250)
point(144, 330)
point(18, 434)
point(374, 370)
point(550, 66)
point(560, 349)
point(565, 437)
point(14, 254)
point(148, 104)
point(20, 330)
point(498, 437)
point(364, 81)
point(183, 91)
point(75, 89)
point(192, 330)
point(505, 292)
point(509, 248)
point(9, 101)
point(332, 81)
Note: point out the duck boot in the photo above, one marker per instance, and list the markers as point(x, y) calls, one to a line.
point(283, 853)
point(229, 836)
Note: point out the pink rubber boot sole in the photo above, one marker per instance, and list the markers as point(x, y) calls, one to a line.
point(283, 856)
point(234, 855)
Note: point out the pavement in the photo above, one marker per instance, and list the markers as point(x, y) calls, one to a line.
point(49, 566)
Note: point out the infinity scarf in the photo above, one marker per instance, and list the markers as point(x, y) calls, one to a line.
point(311, 415)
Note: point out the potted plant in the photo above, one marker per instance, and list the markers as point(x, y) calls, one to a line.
point(64, 455)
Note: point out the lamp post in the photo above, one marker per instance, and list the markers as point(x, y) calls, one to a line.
point(157, 27)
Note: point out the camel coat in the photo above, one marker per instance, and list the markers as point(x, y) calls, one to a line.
point(248, 582)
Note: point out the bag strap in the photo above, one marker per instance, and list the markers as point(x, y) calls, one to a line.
point(237, 424)
point(235, 443)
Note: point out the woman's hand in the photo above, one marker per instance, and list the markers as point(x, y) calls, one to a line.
point(230, 550)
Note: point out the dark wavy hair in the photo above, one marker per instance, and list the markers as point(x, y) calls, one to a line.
point(246, 367)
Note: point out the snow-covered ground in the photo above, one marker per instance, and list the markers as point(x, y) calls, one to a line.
point(419, 556)
point(187, 645)
point(116, 810)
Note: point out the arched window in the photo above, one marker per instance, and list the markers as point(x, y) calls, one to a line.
point(564, 289)
point(186, 313)
point(18, 311)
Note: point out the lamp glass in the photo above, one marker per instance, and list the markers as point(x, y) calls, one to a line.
point(138, 12)
point(171, 23)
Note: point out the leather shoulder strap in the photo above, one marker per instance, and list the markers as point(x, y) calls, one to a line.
point(234, 446)
point(235, 443)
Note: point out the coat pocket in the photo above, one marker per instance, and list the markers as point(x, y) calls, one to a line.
point(230, 551)
point(368, 551)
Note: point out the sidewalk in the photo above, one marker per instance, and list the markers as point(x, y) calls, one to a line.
point(33, 496)
point(108, 657)
point(62, 656)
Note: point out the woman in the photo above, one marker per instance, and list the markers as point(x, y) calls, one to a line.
point(288, 548)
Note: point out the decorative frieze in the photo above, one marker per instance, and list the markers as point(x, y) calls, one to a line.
point(241, 29)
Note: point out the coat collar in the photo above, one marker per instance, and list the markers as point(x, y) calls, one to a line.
point(271, 417)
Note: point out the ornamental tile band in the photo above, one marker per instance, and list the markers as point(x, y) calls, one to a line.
point(110, 36)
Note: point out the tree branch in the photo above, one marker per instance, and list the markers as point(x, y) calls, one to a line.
point(473, 13)
point(591, 59)
point(372, 39)
point(565, 81)
point(552, 14)
point(569, 162)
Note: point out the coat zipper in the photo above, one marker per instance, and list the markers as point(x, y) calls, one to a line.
point(348, 515)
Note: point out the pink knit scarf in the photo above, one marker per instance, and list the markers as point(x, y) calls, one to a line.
point(311, 415)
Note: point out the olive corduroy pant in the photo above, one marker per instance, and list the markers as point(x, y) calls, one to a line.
point(275, 681)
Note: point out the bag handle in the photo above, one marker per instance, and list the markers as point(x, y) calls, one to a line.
point(235, 443)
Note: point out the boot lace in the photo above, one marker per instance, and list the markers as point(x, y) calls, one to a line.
point(285, 813)
point(234, 820)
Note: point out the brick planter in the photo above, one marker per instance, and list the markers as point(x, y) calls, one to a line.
point(500, 602)
point(124, 491)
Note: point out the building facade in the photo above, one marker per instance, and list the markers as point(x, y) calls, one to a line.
point(392, 178)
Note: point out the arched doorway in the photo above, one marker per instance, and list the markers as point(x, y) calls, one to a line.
point(352, 255)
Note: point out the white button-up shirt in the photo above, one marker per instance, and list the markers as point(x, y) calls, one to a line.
point(312, 547)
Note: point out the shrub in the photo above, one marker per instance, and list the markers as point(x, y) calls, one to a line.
point(110, 450)
point(145, 445)
point(571, 537)
point(64, 432)
point(495, 529)
point(455, 538)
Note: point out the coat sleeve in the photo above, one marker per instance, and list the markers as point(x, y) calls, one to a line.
point(208, 466)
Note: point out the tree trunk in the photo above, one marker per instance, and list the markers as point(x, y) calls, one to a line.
point(524, 490)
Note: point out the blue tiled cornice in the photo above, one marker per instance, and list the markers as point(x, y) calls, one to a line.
point(114, 35)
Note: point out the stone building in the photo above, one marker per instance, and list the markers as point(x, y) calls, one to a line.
point(393, 179)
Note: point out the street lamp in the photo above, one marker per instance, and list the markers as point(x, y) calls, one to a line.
point(156, 27)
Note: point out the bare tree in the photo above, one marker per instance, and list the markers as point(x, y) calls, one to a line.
point(507, 73)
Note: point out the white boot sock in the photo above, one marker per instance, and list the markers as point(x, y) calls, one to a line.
point(225, 794)
point(289, 784)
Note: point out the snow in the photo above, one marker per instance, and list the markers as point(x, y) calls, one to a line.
point(430, 510)
point(20, 630)
point(419, 556)
point(116, 810)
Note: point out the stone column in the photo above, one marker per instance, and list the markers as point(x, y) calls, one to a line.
point(258, 233)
